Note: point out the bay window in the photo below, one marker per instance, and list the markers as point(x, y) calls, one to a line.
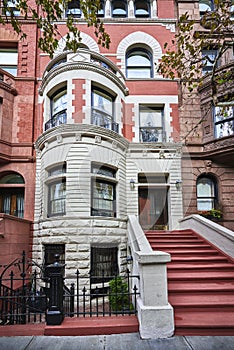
point(103, 191)
point(56, 184)
point(58, 103)
point(103, 109)
point(224, 120)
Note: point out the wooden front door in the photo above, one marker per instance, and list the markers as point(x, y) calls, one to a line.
point(153, 208)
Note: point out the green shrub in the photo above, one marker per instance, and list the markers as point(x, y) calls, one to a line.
point(119, 296)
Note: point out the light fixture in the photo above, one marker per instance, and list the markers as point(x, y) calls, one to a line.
point(132, 184)
point(178, 184)
point(129, 259)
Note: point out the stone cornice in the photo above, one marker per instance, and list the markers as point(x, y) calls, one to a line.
point(8, 88)
point(78, 131)
point(82, 66)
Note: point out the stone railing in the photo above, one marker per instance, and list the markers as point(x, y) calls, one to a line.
point(216, 234)
point(155, 314)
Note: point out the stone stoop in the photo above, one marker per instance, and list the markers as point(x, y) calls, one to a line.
point(200, 283)
point(94, 326)
point(76, 326)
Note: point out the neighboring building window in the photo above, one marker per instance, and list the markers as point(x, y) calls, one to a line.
point(104, 263)
point(119, 8)
point(205, 6)
point(57, 191)
point(151, 124)
point(101, 11)
point(206, 193)
point(139, 63)
point(58, 109)
point(12, 195)
point(73, 8)
point(142, 8)
point(209, 56)
point(103, 191)
point(224, 120)
point(103, 109)
point(11, 8)
point(50, 252)
point(9, 59)
point(232, 10)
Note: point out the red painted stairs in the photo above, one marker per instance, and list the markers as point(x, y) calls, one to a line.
point(200, 283)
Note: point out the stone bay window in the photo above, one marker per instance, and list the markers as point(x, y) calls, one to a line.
point(223, 120)
point(103, 191)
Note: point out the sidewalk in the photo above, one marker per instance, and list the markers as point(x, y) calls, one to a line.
point(129, 341)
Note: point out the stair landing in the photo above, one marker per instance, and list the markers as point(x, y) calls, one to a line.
point(200, 283)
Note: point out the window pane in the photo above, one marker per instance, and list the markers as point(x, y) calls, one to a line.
point(57, 198)
point(205, 204)
point(119, 8)
point(142, 9)
point(138, 64)
point(9, 60)
point(205, 187)
point(224, 121)
point(59, 102)
point(104, 262)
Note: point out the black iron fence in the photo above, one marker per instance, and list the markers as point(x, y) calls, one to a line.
point(27, 296)
point(111, 295)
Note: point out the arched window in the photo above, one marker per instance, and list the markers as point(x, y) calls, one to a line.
point(101, 11)
point(139, 63)
point(142, 8)
point(205, 6)
point(206, 193)
point(12, 194)
point(73, 8)
point(119, 8)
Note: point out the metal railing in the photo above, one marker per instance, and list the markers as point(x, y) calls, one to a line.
point(57, 119)
point(118, 296)
point(28, 297)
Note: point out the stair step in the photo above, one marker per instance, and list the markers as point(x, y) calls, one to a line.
point(189, 252)
point(202, 265)
point(202, 300)
point(94, 326)
point(198, 259)
point(200, 275)
point(204, 287)
point(181, 246)
point(205, 322)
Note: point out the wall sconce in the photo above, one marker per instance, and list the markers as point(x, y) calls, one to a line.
point(132, 184)
point(178, 184)
point(129, 259)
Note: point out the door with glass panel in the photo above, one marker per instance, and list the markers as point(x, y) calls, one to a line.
point(153, 208)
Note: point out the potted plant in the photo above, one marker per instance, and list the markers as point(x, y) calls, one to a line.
point(212, 214)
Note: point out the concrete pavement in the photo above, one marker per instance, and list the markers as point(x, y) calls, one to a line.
point(130, 341)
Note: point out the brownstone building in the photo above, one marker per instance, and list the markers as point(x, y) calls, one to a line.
point(211, 144)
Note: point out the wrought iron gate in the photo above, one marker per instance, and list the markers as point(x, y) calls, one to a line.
point(22, 297)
